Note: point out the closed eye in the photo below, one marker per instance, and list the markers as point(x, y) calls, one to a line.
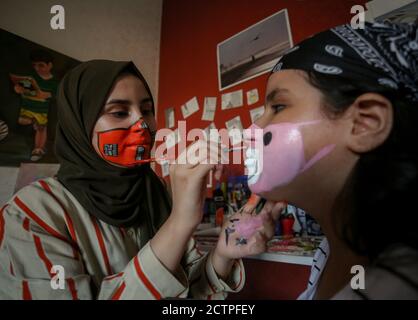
point(120, 114)
point(278, 107)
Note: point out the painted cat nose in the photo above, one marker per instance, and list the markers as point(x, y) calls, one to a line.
point(267, 138)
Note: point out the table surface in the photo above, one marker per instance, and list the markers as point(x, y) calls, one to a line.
point(208, 238)
point(285, 258)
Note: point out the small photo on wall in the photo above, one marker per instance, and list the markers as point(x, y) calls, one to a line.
point(253, 51)
point(252, 96)
point(190, 107)
point(232, 100)
point(209, 109)
point(234, 127)
point(29, 78)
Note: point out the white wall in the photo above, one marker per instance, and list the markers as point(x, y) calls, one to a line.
point(95, 29)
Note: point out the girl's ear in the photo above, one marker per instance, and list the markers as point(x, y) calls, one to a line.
point(371, 118)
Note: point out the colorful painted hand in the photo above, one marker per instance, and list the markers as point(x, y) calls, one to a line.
point(247, 228)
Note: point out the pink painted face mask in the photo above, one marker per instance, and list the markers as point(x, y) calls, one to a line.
point(281, 156)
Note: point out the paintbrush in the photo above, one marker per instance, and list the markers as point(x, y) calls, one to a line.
point(234, 149)
point(154, 160)
point(167, 159)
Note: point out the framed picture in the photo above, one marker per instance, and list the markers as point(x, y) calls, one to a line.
point(29, 78)
point(253, 51)
point(405, 14)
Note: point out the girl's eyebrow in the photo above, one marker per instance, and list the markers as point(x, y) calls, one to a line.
point(119, 101)
point(148, 99)
point(127, 102)
point(270, 97)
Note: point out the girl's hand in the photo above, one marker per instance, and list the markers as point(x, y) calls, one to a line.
point(188, 181)
point(245, 233)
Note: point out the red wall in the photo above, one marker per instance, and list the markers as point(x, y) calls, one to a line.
point(191, 30)
point(267, 280)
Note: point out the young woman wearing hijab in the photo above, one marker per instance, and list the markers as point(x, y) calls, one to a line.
point(340, 140)
point(106, 221)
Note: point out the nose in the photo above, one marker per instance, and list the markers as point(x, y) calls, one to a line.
point(262, 121)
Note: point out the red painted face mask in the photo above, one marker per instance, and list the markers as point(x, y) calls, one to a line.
point(126, 147)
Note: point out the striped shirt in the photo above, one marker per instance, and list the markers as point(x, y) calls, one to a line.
point(44, 226)
point(319, 261)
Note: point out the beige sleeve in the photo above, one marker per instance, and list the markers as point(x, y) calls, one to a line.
point(32, 245)
point(29, 256)
point(204, 283)
point(29, 251)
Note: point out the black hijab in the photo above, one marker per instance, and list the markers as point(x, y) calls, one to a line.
point(122, 197)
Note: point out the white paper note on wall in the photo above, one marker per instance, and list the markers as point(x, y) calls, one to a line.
point(252, 97)
point(256, 113)
point(207, 131)
point(190, 107)
point(232, 100)
point(172, 139)
point(235, 129)
point(209, 108)
point(169, 118)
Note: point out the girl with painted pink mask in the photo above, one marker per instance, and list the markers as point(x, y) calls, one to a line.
point(336, 140)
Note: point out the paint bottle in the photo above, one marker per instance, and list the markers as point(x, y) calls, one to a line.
point(287, 221)
point(287, 226)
